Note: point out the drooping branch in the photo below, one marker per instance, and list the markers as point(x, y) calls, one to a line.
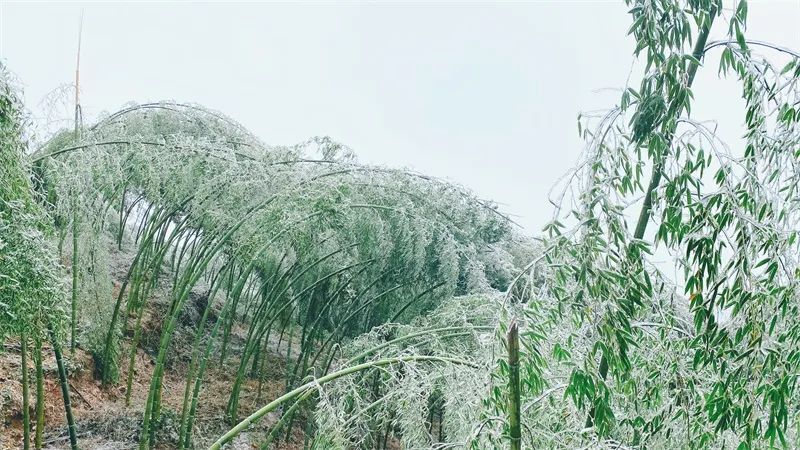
point(316, 384)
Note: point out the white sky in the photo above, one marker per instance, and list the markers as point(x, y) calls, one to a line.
point(484, 95)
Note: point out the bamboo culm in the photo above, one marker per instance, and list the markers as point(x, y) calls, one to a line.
point(26, 407)
point(62, 378)
point(515, 431)
point(190, 376)
point(75, 279)
point(37, 357)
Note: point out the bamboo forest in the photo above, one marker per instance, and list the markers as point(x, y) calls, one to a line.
point(170, 280)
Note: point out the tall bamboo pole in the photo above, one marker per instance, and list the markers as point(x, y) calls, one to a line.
point(77, 136)
point(26, 415)
point(75, 278)
point(37, 358)
point(62, 378)
point(658, 167)
point(78, 114)
point(512, 345)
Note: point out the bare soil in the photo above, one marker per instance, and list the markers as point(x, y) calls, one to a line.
point(104, 421)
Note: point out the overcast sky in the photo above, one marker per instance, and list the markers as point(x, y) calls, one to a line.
point(485, 95)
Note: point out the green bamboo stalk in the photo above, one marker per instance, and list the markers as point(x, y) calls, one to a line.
point(154, 269)
point(147, 219)
point(658, 167)
point(189, 278)
point(233, 400)
point(200, 372)
point(273, 433)
point(112, 329)
point(261, 368)
point(414, 300)
point(278, 289)
point(180, 293)
point(194, 361)
point(288, 352)
point(308, 337)
point(26, 413)
point(75, 268)
point(337, 332)
point(512, 345)
point(194, 270)
point(106, 200)
point(137, 300)
point(441, 437)
point(121, 223)
point(189, 243)
point(339, 329)
point(430, 417)
point(262, 329)
point(132, 302)
point(150, 255)
point(37, 358)
point(267, 284)
point(291, 414)
point(226, 333)
point(137, 335)
point(386, 435)
point(308, 432)
point(62, 378)
point(250, 292)
point(257, 358)
point(215, 243)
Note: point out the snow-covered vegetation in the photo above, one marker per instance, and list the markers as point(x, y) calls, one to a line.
point(414, 313)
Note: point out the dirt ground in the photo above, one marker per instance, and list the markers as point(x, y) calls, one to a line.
point(104, 421)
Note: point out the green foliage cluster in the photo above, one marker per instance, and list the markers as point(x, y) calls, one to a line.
point(704, 358)
point(31, 294)
point(30, 281)
point(617, 351)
